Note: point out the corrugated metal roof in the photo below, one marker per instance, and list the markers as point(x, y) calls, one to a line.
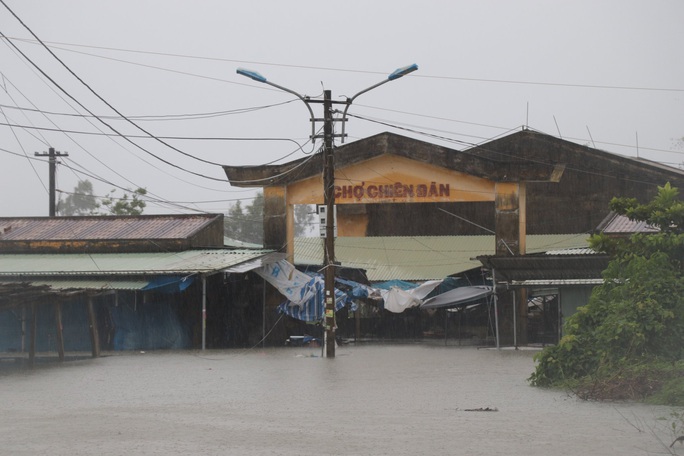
point(420, 258)
point(101, 264)
point(555, 282)
point(620, 224)
point(582, 251)
point(75, 284)
point(102, 227)
point(546, 267)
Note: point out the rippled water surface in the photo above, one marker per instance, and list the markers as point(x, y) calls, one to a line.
point(369, 400)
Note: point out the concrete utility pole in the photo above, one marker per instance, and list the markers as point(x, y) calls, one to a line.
point(328, 182)
point(329, 201)
point(52, 159)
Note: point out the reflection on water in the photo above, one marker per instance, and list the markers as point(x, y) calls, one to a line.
point(369, 400)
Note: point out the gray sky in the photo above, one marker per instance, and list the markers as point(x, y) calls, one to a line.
point(603, 72)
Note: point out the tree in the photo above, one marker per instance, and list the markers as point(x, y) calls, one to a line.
point(80, 202)
point(303, 218)
point(254, 223)
point(246, 223)
point(628, 339)
point(132, 204)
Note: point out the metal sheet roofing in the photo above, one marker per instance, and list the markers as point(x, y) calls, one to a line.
point(75, 284)
point(130, 264)
point(420, 258)
point(102, 227)
point(555, 282)
point(620, 224)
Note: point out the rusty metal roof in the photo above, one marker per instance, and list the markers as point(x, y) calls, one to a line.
point(102, 227)
point(420, 257)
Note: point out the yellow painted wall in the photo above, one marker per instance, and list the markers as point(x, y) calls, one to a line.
point(394, 179)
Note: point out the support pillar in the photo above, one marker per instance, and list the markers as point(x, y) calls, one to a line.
point(204, 312)
point(276, 237)
point(94, 333)
point(60, 330)
point(510, 217)
point(34, 330)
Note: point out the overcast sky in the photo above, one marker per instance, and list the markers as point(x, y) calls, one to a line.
point(602, 73)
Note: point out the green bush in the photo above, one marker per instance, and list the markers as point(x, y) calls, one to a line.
point(622, 342)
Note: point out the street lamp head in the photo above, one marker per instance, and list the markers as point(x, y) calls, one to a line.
point(403, 71)
point(254, 75)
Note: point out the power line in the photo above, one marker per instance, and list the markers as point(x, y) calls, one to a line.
point(444, 138)
point(104, 101)
point(159, 117)
point(347, 70)
point(35, 171)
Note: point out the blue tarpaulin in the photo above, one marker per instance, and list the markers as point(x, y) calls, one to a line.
point(313, 310)
point(400, 284)
point(169, 284)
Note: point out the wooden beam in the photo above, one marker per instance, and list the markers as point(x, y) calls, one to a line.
point(94, 333)
point(275, 219)
point(34, 327)
point(60, 332)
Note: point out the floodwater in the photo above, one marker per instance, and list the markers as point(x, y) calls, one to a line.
point(370, 400)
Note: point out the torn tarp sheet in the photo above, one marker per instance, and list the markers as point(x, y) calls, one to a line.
point(304, 292)
point(313, 309)
point(295, 285)
point(398, 300)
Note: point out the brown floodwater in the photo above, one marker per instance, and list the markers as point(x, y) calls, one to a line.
point(370, 400)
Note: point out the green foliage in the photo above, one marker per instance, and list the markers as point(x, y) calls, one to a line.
point(80, 202)
point(246, 223)
point(636, 317)
point(304, 216)
point(83, 202)
point(132, 204)
point(672, 393)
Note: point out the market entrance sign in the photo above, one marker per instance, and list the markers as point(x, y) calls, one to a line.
point(393, 179)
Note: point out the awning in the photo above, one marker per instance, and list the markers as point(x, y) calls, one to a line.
point(457, 297)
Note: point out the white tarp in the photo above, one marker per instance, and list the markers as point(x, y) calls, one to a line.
point(398, 300)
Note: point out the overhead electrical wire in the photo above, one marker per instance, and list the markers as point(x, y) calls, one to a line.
point(72, 139)
point(487, 139)
point(160, 117)
point(440, 77)
point(483, 146)
point(178, 138)
point(66, 133)
point(506, 129)
point(82, 148)
point(387, 124)
point(347, 70)
point(147, 197)
point(35, 171)
point(105, 102)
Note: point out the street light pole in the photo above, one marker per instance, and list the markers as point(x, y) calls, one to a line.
point(396, 74)
point(329, 201)
point(328, 183)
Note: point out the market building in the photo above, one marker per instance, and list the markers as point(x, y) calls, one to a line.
point(521, 185)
